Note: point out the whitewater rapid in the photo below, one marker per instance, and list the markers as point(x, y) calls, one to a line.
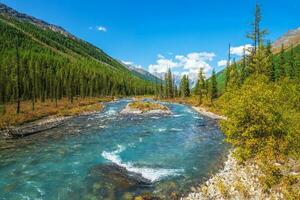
point(151, 174)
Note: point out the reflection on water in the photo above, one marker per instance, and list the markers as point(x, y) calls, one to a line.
point(108, 155)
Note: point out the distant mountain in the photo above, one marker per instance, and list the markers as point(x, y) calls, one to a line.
point(144, 74)
point(292, 37)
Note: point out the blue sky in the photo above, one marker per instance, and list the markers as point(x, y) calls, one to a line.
point(182, 34)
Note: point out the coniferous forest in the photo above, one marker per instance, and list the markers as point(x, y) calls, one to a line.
point(248, 112)
point(39, 64)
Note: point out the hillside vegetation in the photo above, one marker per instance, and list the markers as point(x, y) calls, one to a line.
point(261, 102)
point(38, 63)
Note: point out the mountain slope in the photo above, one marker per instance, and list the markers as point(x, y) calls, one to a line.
point(58, 38)
point(292, 37)
point(38, 55)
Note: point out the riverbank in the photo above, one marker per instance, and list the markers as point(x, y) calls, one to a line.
point(244, 180)
point(47, 113)
point(234, 181)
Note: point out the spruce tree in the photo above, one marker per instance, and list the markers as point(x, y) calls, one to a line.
point(227, 70)
point(243, 67)
point(291, 63)
point(213, 86)
point(234, 76)
point(201, 79)
point(281, 64)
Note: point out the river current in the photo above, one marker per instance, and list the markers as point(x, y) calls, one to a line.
point(107, 155)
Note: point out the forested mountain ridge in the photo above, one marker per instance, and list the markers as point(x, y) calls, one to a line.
point(22, 21)
point(42, 61)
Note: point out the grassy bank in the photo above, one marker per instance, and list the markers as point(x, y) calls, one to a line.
point(64, 107)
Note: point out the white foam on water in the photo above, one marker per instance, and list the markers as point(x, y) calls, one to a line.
point(111, 112)
point(140, 139)
point(177, 115)
point(161, 129)
point(176, 129)
point(154, 117)
point(151, 174)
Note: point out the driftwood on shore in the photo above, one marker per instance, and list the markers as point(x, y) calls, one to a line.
point(21, 132)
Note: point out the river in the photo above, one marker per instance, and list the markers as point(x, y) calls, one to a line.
point(92, 157)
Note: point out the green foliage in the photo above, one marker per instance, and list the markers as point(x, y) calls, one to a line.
point(185, 86)
point(213, 89)
point(202, 89)
point(262, 117)
point(39, 64)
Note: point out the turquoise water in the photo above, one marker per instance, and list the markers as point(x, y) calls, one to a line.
point(171, 152)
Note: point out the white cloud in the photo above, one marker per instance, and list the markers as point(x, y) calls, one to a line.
point(239, 51)
point(162, 65)
point(189, 64)
point(222, 63)
point(101, 28)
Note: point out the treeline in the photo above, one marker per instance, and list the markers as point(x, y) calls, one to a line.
point(34, 69)
point(204, 89)
point(261, 101)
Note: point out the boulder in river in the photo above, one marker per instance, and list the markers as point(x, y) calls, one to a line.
point(119, 176)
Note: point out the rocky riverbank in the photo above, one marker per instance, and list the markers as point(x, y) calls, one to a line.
point(209, 114)
point(234, 181)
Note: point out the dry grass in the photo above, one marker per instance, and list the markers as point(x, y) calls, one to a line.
point(146, 106)
point(47, 108)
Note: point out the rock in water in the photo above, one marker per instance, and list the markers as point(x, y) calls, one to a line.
point(118, 176)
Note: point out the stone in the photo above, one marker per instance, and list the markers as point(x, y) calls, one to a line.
point(118, 176)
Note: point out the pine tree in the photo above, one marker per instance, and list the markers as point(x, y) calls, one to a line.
point(201, 82)
point(227, 70)
point(213, 86)
point(243, 67)
point(292, 63)
point(234, 76)
point(170, 84)
point(271, 72)
point(184, 86)
point(281, 64)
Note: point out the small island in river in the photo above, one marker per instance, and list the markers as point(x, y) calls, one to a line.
point(142, 107)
